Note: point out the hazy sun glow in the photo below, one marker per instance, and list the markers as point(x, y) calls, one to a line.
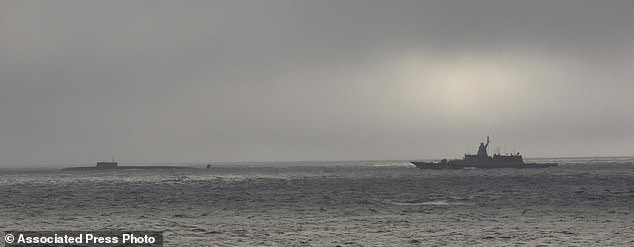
point(468, 86)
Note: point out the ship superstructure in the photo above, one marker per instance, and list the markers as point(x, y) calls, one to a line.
point(483, 160)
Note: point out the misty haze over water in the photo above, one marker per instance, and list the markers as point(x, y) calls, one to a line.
point(203, 81)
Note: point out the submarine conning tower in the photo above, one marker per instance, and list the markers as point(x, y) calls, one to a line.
point(107, 164)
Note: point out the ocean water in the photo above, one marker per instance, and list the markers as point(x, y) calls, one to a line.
point(583, 202)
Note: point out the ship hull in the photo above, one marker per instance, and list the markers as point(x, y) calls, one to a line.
point(459, 164)
point(430, 165)
point(483, 161)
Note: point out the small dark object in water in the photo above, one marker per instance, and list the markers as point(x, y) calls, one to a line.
point(208, 166)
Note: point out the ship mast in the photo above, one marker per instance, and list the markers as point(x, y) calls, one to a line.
point(486, 147)
point(488, 141)
point(482, 150)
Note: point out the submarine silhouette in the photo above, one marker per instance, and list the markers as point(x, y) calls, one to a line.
point(113, 165)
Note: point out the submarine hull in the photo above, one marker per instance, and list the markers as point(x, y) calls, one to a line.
point(95, 168)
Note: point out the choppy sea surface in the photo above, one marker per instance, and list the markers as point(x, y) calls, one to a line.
point(583, 202)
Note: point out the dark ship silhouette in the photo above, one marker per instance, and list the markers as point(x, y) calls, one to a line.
point(113, 165)
point(483, 160)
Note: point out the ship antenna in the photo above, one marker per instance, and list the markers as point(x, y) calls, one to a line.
point(487, 146)
point(488, 141)
point(113, 159)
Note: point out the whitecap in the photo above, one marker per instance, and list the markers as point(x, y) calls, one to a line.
point(430, 203)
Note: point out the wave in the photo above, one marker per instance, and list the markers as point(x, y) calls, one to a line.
point(448, 202)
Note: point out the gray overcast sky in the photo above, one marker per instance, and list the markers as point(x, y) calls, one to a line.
point(204, 81)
